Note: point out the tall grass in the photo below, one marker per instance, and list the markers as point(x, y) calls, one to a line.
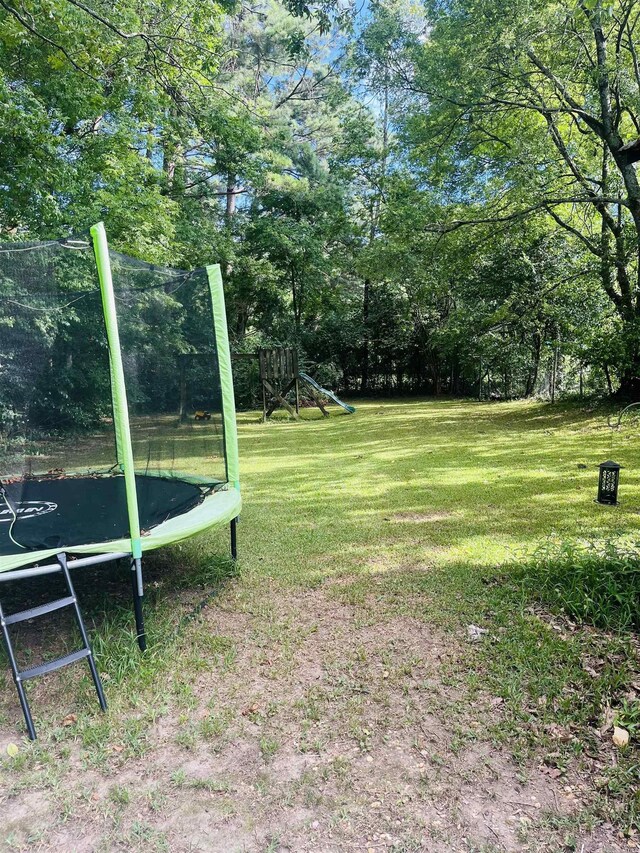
point(593, 582)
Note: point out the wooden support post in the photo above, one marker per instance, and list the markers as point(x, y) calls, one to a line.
point(278, 375)
point(278, 398)
point(318, 401)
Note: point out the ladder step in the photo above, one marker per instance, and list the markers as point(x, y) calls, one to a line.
point(52, 665)
point(23, 615)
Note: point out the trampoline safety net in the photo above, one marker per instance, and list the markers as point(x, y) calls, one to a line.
point(169, 356)
point(61, 466)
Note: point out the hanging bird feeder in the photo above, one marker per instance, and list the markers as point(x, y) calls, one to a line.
point(608, 481)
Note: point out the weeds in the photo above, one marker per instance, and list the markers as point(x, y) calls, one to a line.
point(595, 582)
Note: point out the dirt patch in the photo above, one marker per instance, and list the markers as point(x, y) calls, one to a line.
point(27, 818)
point(326, 732)
point(422, 517)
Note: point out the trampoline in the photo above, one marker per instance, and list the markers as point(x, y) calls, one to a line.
point(106, 366)
point(52, 515)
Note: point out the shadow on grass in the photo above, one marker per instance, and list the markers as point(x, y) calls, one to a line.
point(499, 477)
point(549, 679)
point(179, 582)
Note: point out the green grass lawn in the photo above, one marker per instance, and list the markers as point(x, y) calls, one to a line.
point(432, 508)
point(426, 483)
point(407, 510)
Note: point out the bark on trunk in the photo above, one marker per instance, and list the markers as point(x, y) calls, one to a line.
point(231, 198)
point(364, 366)
point(608, 378)
point(532, 378)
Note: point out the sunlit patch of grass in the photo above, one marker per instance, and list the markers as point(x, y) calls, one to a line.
point(506, 474)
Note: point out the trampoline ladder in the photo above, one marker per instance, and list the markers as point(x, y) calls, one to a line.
point(20, 676)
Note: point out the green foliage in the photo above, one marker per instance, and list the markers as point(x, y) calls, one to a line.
point(597, 582)
point(517, 111)
point(329, 163)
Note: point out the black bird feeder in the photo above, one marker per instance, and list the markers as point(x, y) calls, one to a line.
point(608, 483)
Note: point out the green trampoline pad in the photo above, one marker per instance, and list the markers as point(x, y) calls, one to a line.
point(86, 515)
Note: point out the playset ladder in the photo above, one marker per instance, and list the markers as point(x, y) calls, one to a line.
point(278, 375)
point(20, 676)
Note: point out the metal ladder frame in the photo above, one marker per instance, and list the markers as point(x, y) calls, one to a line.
point(20, 676)
point(62, 566)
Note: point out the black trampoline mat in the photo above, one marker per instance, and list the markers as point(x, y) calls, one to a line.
point(68, 511)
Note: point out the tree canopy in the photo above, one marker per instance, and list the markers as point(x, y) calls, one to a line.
point(432, 198)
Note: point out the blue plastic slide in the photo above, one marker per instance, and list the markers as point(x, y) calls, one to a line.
point(329, 394)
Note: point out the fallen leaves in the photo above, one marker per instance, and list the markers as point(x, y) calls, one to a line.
point(607, 721)
point(558, 732)
point(12, 750)
point(620, 737)
point(554, 772)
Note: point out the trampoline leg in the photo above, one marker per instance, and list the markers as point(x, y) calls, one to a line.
point(234, 539)
point(136, 583)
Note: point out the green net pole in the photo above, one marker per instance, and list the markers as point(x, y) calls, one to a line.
point(226, 376)
point(118, 389)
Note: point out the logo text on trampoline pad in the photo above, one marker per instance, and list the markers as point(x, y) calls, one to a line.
point(27, 509)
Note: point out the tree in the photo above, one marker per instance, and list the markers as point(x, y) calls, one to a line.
point(526, 108)
point(295, 226)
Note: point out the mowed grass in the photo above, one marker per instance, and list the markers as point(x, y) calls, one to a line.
point(433, 509)
point(428, 509)
point(436, 494)
point(426, 483)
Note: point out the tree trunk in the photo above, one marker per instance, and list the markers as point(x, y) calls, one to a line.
point(532, 378)
point(629, 384)
point(242, 321)
point(296, 300)
point(231, 198)
point(608, 378)
point(230, 210)
point(364, 366)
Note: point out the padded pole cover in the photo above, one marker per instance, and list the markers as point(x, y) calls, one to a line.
point(118, 389)
point(226, 376)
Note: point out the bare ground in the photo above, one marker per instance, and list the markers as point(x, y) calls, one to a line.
point(322, 729)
